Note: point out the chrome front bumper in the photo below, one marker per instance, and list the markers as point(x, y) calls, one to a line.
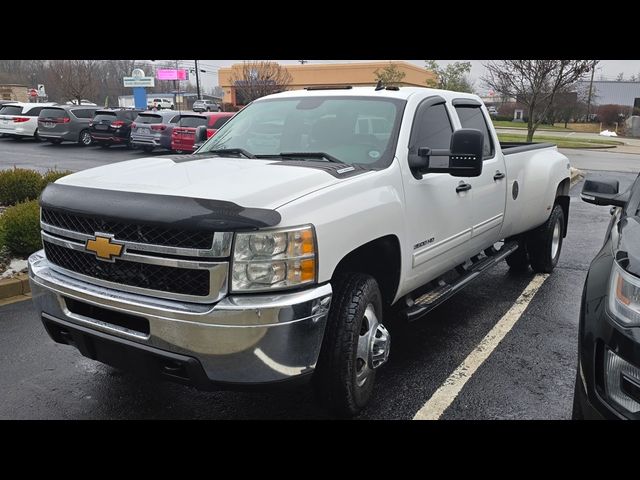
point(243, 339)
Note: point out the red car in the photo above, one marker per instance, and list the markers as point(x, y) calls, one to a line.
point(184, 133)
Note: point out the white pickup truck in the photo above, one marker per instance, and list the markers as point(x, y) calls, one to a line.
point(275, 253)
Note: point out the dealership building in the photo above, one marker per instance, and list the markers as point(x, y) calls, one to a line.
point(359, 74)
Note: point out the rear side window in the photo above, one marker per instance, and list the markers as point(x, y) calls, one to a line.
point(10, 110)
point(472, 117)
point(53, 113)
point(433, 128)
point(175, 119)
point(219, 122)
point(192, 121)
point(145, 118)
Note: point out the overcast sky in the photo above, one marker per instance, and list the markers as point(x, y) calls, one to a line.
point(606, 69)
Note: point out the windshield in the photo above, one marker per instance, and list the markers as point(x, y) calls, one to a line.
point(148, 118)
point(53, 113)
point(359, 130)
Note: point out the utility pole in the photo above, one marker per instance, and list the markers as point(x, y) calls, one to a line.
point(197, 80)
point(593, 71)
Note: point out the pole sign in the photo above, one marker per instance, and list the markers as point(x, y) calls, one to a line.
point(172, 74)
point(138, 79)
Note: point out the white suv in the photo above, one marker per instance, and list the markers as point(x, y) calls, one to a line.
point(21, 119)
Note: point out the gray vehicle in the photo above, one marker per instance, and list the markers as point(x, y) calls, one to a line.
point(206, 106)
point(66, 123)
point(153, 129)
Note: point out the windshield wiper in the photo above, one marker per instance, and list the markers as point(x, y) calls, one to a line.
point(232, 151)
point(329, 158)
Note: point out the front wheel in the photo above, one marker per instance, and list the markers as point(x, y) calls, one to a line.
point(355, 345)
point(545, 242)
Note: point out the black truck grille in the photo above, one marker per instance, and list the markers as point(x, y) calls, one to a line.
point(155, 277)
point(129, 232)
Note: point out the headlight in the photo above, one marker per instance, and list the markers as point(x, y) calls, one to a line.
point(624, 297)
point(274, 259)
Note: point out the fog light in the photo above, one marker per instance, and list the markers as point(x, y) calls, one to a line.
point(620, 379)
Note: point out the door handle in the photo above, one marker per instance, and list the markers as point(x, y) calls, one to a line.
point(463, 187)
point(499, 175)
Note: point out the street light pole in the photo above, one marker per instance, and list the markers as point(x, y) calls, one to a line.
point(593, 71)
point(197, 80)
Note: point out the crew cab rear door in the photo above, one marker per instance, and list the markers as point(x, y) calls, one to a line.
point(489, 189)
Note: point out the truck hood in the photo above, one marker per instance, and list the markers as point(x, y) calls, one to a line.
point(246, 182)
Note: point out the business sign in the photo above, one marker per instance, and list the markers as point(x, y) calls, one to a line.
point(137, 79)
point(41, 92)
point(172, 74)
point(139, 82)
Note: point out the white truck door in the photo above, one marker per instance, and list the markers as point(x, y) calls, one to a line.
point(489, 189)
point(438, 211)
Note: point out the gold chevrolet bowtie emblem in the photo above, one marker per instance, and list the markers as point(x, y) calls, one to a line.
point(104, 248)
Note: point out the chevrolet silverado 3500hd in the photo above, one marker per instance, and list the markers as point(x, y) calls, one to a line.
point(277, 251)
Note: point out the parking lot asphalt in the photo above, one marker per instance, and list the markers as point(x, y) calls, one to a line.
point(529, 375)
point(43, 156)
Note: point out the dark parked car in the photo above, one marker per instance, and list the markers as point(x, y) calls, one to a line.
point(66, 123)
point(206, 106)
point(110, 127)
point(608, 378)
point(153, 129)
point(184, 133)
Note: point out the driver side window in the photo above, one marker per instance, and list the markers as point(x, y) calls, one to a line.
point(433, 128)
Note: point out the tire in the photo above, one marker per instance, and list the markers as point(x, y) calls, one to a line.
point(343, 380)
point(84, 138)
point(147, 149)
point(518, 261)
point(545, 242)
point(208, 109)
point(36, 136)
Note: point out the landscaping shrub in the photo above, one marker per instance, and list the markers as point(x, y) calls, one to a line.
point(20, 228)
point(19, 185)
point(53, 175)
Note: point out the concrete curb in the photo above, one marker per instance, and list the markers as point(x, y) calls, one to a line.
point(13, 287)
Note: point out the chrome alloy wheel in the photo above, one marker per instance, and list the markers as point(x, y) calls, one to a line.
point(85, 138)
point(373, 346)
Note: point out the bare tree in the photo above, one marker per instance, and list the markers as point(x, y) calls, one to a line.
point(454, 76)
point(259, 78)
point(389, 75)
point(534, 83)
point(78, 78)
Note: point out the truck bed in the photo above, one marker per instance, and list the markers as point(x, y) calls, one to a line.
point(518, 147)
